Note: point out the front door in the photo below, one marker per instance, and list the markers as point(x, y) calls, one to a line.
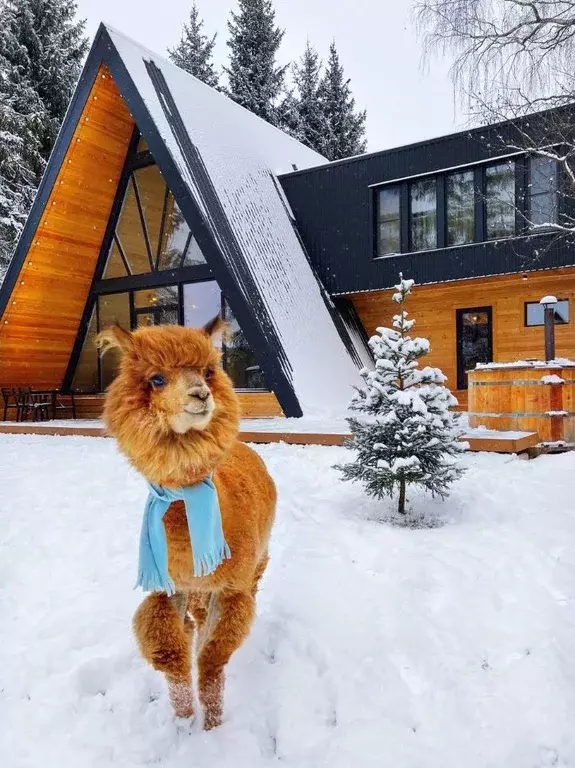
point(474, 341)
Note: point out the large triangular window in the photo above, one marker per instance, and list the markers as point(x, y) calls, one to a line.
point(154, 273)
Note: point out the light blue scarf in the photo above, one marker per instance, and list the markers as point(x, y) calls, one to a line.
point(204, 525)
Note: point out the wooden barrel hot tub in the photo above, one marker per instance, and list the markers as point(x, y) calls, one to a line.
point(525, 397)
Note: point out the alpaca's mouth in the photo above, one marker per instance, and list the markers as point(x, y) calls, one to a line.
point(191, 418)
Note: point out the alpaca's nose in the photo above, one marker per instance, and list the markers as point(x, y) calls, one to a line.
point(201, 392)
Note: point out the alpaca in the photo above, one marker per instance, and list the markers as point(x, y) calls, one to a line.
point(175, 415)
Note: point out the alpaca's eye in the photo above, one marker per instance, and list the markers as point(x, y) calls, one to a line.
point(209, 374)
point(158, 381)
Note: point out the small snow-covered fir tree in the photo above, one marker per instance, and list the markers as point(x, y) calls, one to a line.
point(409, 437)
point(41, 51)
point(344, 133)
point(309, 125)
point(195, 51)
point(255, 79)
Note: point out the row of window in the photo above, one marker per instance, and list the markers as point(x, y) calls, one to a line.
point(464, 206)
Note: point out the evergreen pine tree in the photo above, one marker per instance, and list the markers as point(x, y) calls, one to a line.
point(195, 51)
point(308, 124)
point(41, 52)
point(255, 80)
point(344, 133)
point(409, 437)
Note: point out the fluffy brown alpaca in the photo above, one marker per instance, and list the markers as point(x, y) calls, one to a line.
point(175, 415)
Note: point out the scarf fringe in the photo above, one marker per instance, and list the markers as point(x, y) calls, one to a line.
point(154, 583)
point(209, 561)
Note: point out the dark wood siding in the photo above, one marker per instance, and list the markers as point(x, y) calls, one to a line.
point(333, 206)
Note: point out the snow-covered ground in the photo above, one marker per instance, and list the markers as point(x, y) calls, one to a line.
point(374, 647)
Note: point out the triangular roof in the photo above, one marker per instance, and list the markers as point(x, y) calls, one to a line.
point(220, 162)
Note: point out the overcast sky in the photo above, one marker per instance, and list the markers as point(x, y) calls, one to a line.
point(376, 39)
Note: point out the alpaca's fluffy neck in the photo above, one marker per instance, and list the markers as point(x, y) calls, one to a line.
point(177, 460)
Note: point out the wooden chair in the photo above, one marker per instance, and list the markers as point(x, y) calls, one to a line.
point(36, 404)
point(63, 401)
point(10, 400)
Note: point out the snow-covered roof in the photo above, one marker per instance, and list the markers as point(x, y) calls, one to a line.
point(216, 143)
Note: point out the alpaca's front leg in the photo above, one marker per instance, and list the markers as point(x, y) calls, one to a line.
point(235, 612)
point(159, 629)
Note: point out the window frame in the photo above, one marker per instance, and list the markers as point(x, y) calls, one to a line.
point(519, 163)
point(438, 213)
point(487, 238)
point(526, 304)
point(375, 198)
point(529, 196)
point(445, 213)
point(100, 286)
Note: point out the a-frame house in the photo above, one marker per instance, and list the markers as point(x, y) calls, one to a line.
point(160, 203)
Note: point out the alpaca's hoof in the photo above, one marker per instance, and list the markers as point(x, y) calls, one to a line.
point(212, 720)
point(184, 724)
point(182, 699)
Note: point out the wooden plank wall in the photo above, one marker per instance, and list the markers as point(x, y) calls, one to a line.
point(39, 326)
point(434, 308)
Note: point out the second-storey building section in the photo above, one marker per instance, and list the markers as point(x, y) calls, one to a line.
point(474, 218)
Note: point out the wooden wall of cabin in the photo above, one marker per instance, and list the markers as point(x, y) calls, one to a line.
point(434, 307)
point(40, 324)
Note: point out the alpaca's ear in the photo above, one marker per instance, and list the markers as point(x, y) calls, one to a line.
point(215, 325)
point(115, 337)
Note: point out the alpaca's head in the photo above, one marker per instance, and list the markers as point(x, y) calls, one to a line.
point(171, 402)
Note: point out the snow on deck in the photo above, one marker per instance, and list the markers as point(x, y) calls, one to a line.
point(242, 154)
point(373, 646)
point(493, 434)
point(304, 425)
point(559, 362)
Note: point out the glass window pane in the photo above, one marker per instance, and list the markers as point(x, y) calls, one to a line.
point(238, 357)
point(500, 200)
point(423, 215)
point(152, 192)
point(388, 221)
point(130, 234)
point(194, 256)
point(113, 308)
point(86, 374)
point(202, 302)
point(542, 191)
point(176, 238)
point(162, 296)
point(115, 266)
point(460, 208)
point(536, 314)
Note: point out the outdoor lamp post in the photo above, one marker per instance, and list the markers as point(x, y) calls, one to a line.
point(548, 303)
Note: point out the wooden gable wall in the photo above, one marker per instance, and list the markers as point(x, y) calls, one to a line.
point(40, 324)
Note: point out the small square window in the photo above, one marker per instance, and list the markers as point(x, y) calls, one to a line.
point(535, 313)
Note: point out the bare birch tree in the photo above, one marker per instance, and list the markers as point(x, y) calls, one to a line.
point(512, 58)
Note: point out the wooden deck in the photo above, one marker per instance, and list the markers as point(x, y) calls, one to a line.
point(479, 440)
point(261, 436)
